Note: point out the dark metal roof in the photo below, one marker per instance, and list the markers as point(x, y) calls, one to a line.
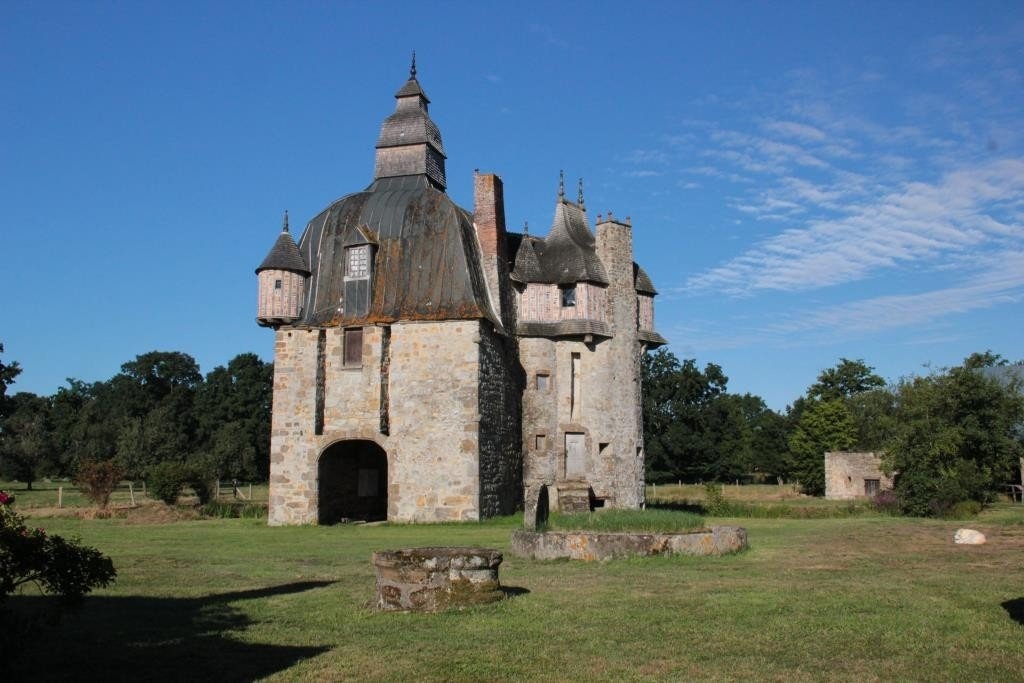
point(284, 255)
point(426, 264)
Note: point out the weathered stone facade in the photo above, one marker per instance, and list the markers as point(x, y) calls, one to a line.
point(854, 475)
point(439, 368)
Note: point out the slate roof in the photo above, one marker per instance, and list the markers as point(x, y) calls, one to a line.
point(427, 266)
point(567, 255)
point(284, 255)
point(642, 280)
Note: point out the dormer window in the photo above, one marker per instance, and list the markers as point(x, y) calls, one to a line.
point(357, 261)
point(568, 296)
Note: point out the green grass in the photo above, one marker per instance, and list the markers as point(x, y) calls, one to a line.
point(50, 494)
point(862, 598)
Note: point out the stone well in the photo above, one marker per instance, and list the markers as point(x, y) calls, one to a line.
point(587, 545)
point(435, 579)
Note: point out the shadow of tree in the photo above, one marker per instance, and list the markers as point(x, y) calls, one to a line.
point(152, 639)
point(1015, 608)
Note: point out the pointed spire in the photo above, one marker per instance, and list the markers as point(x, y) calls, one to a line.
point(561, 185)
point(285, 227)
point(526, 228)
point(412, 69)
point(580, 201)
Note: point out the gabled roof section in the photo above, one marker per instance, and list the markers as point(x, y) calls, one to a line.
point(642, 281)
point(284, 255)
point(526, 267)
point(567, 255)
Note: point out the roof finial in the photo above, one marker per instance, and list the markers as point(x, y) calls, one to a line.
point(561, 185)
point(285, 228)
point(412, 69)
point(581, 194)
point(526, 228)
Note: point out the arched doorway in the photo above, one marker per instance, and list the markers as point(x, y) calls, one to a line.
point(353, 482)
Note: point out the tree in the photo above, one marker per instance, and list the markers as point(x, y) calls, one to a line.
point(676, 399)
point(847, 378)
point(957, 437)
point(823, 426)
point(26, 447)
point(233, 417)
point(8, 373)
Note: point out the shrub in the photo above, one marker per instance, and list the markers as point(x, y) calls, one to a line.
point(201, 477)
point(98, 479)
point(887, 502)
point(223, 510)
point(165, 481)
point(56, 565)
point(714, 500)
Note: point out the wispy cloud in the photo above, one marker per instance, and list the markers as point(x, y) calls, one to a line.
point(920, 222)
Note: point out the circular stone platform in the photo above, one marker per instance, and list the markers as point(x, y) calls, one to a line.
point(435, 579)
point(587, 545)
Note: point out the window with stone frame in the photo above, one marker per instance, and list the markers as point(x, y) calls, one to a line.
point(568, 296)
point(872, 487)
point(357, 261)
point(353, 347)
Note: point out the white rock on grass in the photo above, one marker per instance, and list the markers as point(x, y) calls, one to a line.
point(968, 537)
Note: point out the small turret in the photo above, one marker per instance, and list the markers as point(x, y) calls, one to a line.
point(282, 282)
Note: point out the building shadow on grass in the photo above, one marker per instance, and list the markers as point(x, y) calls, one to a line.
point(1015, 608)
point(139, 638)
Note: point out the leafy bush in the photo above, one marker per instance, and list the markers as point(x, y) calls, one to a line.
point(166, 480)
point(98, 479)
point(965, 509)
point(201, 477)
point(887, 502)
point(233, 510)
point(58, 566)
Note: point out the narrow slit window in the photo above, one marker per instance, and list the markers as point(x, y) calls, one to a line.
point(278, 284)
point(353, 350)
point(543, 382)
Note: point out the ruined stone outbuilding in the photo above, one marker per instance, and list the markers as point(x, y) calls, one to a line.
point(430, 365)
point(854, 475)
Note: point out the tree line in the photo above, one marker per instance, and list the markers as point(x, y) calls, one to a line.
point(159, 408)
point(953, 435)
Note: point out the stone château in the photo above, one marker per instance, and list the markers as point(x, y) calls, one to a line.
point(431, 366)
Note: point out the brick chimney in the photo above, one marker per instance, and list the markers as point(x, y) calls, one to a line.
point(489, 221)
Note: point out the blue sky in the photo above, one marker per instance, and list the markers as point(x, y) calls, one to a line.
point(806, 181)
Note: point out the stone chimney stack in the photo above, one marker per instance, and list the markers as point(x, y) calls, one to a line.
point(489, 221)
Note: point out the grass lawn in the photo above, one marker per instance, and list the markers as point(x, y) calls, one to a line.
point(860, 598)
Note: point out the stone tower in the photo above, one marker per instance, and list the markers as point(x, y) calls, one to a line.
point(431, 366)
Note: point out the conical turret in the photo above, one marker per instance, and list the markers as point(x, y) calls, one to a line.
point(282, 282)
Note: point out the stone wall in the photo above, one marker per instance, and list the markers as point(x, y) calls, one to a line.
point(601, 402)
point(501, 458)
point(433, 416)
point(846, 473)
point(434, 472)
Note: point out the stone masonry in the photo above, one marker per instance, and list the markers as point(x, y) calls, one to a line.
point(430, 366)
